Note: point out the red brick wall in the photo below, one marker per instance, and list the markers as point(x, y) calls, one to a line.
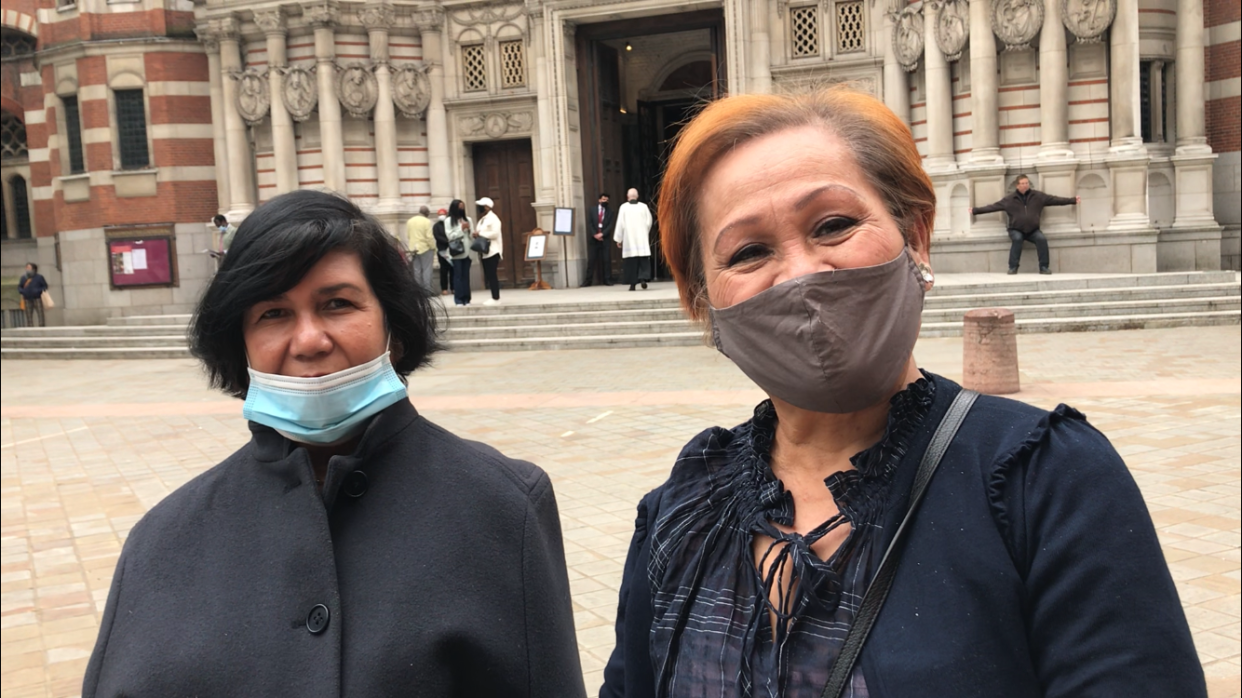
point(1223, 119)
point(1217, 12)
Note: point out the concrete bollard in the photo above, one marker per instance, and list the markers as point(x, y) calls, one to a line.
point(990, 351)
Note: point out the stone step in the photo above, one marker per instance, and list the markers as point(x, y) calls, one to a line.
point(958, 303)
point(132, 320)
point(943, 329)
point(97, 354)
point(946, 329)
point(99, 331)
point(1177, 306)
point(80, 342)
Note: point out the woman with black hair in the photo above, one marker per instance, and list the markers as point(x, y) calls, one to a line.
point(459, 230)
point(351, 547)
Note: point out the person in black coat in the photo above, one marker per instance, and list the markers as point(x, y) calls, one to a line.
point(1024, 207)
point(1031, 569)
point(32, 285)
point(601, 222)
point(352, 547)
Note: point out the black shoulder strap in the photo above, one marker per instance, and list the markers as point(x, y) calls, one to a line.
point(873, 600)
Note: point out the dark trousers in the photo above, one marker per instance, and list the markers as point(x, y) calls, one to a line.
point(636, 270)
point(446, 274)
point(461, 281)
point(34, 307)
point(490, 265)
point(1016, 238)
point(599, 258)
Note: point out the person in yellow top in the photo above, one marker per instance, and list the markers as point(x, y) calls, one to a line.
point(422, 246)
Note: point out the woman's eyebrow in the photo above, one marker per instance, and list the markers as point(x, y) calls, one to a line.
point(334, 288)
point(811, 195)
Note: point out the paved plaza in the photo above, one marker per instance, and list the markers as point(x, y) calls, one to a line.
point(86, 447)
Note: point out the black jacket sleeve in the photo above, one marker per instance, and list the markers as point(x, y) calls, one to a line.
point(628, 673)
point(990, 208)
point(551, 647)
point(1050, 200)
point(95, 666)
point(1104, 618)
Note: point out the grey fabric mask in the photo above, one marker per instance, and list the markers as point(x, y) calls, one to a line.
point(833, 341)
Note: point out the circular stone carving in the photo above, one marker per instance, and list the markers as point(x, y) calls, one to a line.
point(495, 125)
point(253, 96)
point(1087, 19)
point(953, 28)
point(299, 93)
point(358, 90)
point(411, 91)
point(908, 38)
point(1017, 22)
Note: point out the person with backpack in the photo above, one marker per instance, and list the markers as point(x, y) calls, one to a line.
point(458, 230)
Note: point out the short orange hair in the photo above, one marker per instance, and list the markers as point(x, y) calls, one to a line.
point(881, 143)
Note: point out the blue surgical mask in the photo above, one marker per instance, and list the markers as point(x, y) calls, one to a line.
point(324, 410)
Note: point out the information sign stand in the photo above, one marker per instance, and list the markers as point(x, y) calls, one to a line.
point(536, 248)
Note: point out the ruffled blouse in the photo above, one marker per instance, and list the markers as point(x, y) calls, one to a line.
point(712, 633)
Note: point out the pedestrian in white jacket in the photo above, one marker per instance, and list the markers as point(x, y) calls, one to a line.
point(489, 227)
point(632, 236)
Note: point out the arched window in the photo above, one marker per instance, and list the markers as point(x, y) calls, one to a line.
point(12, 137)
point(15, 43)
point(21, 205)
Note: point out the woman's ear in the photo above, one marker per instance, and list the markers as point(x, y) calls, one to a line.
point(919, 240)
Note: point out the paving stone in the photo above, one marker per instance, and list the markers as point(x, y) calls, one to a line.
point(87, 447)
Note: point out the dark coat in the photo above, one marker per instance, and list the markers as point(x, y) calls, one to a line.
point(592, 222)
point(1024, 210)
point(1032, 570)
point(441, 570)
point(32, 286)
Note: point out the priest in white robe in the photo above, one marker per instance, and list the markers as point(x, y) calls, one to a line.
point(632, 236)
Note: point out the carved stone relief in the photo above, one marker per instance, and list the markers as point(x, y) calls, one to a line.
point(411, 90)
point(953, 28)
point(496, 124)
point(299, 93)
point(908, 38)
point(253, 96)
point(270, 21)
point(1087, 19)
point(486, 14)
point(323, 14)
point(358, 90)
point(1017, 22)
point(376, 16)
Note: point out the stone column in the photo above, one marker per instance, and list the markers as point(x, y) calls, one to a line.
point(284, 150)
point(378, 19)
point(210, 39)
point(896, 84)
point(240, 159)
point(545, 156)
point(1190, 78)
point(323, 18)
point(430, 24)
point(1053, 87)
point(1195, 231)
point(1127, 159)
point(985, 136)
point(761, 49)
point(1123, 84)
point(939, 97)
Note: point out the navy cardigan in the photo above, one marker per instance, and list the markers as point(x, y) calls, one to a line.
point(1032, 570)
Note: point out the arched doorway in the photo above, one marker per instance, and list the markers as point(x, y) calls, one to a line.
point(639, 81)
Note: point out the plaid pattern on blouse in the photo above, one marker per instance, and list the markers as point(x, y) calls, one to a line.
point(711, 636)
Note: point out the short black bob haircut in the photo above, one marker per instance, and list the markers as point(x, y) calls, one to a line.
point(274, 248)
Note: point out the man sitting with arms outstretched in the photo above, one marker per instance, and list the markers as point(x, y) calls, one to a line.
point(1024, 208)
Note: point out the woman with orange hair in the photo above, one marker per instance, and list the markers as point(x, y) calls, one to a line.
point(874, 529)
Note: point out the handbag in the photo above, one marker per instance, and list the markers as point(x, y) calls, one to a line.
point(481, 245)
point(874, 598)
point(47, 300)
point(456, 247)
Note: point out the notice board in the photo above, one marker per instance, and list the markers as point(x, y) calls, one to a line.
point(141, 258)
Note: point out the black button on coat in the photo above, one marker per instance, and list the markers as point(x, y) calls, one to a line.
point(444, 575)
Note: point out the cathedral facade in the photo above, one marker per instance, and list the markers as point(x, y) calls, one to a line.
point(1130, 104)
